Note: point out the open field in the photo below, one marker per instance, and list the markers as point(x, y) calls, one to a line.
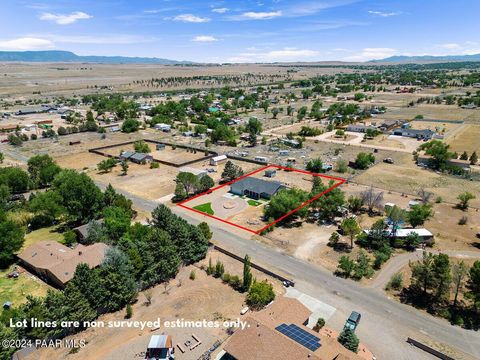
point(467, 139)
point(23, 79)
point(405, 176)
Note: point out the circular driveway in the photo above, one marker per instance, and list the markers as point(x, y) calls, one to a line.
point(226, 207)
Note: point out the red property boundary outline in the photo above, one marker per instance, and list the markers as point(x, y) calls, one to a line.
point(340, 181)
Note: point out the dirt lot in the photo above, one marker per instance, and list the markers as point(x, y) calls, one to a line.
point(467, 139)
point(405, 176)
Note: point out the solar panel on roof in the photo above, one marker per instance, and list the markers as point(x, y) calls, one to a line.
point(300, 336)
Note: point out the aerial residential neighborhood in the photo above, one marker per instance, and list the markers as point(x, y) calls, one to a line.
point(239, 180)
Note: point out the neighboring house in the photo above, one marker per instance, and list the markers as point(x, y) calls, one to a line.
point(160, 347)
point(291, 142)
point(388, 125)
point(426, 134)
point(140, 158)
point(218, 159)
point(29, 111)
point(256, 188)
point(163, 127)
point(125, 155)
point(56, 263)
point(197, 172)
point(360, 128)
point(279, 332)
point(425, 235)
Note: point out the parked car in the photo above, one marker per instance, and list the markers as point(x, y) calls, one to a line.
point(353, 320)
point(388, 160)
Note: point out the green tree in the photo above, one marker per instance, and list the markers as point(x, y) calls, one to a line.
point(42, 169)
point(283, 202)
point(106, 165)
point(346, 266)
point(350, 228)
point(11, 240)
point(130, 125)
point(205, 229)
point(442, 277)
point(473, 158)
point(80, 196)
point(418, 214)
point(474, 284)
point(348, 339)
point(464, 200)
point(247, 274)
point(315, 165)
point(15, 178)
point(116, 221)
point(439, 152)
point(459, 272)
point(141, 146)
point(124, 165)
point(188, 180)
point(260, 295)
point(364, 160)
point(205, 183)
point(48, 203)
point(254, 126)
point(231, 172)
point(363, 267)
point(423, 277)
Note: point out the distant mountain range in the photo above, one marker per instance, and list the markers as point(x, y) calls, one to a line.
point(430, 58)
point(67, 56)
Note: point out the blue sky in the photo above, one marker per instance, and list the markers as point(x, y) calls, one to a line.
point(243, 31)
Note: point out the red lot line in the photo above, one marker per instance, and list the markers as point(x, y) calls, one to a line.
point(340, 182)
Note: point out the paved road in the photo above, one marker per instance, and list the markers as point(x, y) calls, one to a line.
point(385, 323)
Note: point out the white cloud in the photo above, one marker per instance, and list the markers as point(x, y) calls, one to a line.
point(191, 18)
point(384, 14)
point(285, 54)
point(204, 38)
point(220, 10)
point(449, 46)
point(65, 19)
point(372, 54)
point(252, 15)
point(26, 43)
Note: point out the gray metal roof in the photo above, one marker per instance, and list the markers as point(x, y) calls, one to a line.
point(127, 154)
point(139, 156)
point(257, 185)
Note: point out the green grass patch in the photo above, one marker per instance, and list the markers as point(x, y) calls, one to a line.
point(254, 203)
point(48, 233)
point(16, 290)
point(205, 208)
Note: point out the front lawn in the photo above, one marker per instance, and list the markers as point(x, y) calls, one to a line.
point(16, 290)
point(205, 208)
point(254, 203)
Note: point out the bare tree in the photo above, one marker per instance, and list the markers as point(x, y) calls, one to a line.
point(148, 297)
point(459, 271)
point(424, 195)
point(372, 199)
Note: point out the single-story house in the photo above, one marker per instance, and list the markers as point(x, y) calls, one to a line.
point(360, 128)
point(425, 235)
point(56, 263)
point(218, 159)
point(197, 172)
point(425, 134)
point(140, 158)
point(291, 142)
point(279, 332)
point(125, 155)
point(256, 188)
point(28, 111)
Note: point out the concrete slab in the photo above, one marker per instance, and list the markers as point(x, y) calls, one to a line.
point(317, 307)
